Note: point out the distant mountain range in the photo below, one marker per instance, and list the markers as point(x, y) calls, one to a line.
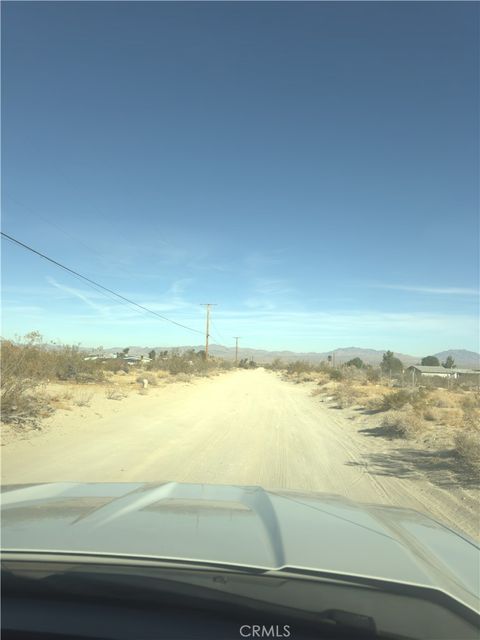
point(462, 357)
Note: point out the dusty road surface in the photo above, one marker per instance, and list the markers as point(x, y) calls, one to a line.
point(245, 427)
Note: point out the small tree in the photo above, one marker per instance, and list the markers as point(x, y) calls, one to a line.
point(355, 362)
point(152, 355)
point(449, 363)
point(390, 364)
point(430, 361)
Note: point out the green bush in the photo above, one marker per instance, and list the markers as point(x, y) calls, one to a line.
point(335, 374)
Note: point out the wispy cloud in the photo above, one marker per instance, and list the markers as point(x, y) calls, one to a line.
point(260, 304)
point(272, 286)
point(268, 293)
point(170, 301)
point(260, 260)
point(103, 310)
point(456, 291)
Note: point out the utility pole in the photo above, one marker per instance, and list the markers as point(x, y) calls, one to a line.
point(207, 327)
point(236, 348)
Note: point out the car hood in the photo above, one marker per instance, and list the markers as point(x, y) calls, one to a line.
point(241, 525)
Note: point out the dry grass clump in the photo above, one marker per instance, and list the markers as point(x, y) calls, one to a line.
point(467, 440)
point(113, 393)
point(431, 414)
point(443, 403)
point(346, 395)
point(397, 400)
point(471, 403)
point(405, 398)
point(467, 446)
point(352, 374)
point(83, 399)
point(374, 403)
point(149, 377)
point(184, 377)
point(403, 424)
point(452, 417)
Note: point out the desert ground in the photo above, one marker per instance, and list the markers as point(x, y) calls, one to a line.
point(248, 427)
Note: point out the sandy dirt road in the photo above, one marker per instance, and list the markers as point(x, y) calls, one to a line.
point(245, 427)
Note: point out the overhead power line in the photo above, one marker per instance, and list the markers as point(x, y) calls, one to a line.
point(216, 333)
point(96, 284)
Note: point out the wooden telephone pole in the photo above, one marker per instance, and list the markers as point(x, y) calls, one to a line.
point(207, 328)
point(237, 338)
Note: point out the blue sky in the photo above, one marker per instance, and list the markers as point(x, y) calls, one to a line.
point(312, 168)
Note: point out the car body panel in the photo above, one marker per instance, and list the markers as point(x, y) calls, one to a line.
point(242, 525)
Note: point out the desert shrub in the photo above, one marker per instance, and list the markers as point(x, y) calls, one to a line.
point(19, 402)
point(442, 402)
point(113, 393)
point(374, 374)
point(83, 399)
point(430, 414)
point(396, 400)
point(299, 367)
point(335, 374)
point(374, 403)
point(467, 443)
point(399, 399)
point(183, 377)
point(246, 363)
point(177, 364)
point(355, 362)
point(354, 374)
point(114, 365)
point(69, 364)
point(189, 362)
point(277, 365)
point(451, 417)
point(20, 376)
point(149, 377)
point(403, 424)
point(322, 380)
point(345, 396)
point(471, 402)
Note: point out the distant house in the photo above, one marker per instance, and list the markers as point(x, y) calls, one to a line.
point(136, 360)
point(461, 374)
point(424, 371)
point(102, 357)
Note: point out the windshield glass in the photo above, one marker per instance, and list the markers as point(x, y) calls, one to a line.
point(239, 250)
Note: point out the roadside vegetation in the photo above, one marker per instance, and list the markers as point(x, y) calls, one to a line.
point(444, 414)
point(37, 379)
